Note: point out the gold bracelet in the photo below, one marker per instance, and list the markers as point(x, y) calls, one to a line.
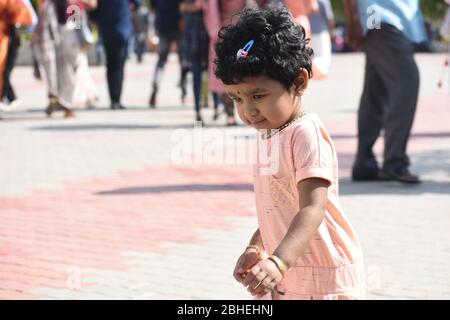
point(255, 247)
point(280, 264)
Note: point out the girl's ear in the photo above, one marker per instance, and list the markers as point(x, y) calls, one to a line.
point(301, 82)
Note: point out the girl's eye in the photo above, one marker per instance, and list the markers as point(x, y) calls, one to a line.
point(236, 99)
point(258, 96)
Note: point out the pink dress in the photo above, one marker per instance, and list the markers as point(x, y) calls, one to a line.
point(331, 268)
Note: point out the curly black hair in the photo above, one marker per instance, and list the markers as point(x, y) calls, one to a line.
point(279, 51)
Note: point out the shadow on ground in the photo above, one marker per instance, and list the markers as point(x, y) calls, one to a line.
point(427, 164)
point(123, 126)
point(426, 135)
point(178, 188)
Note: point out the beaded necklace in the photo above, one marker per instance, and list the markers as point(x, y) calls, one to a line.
point(284, 126)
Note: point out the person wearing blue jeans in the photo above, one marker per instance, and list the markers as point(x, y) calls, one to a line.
point(113, 18)
point(387, 31)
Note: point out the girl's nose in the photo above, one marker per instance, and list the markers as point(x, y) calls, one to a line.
point(250, 111)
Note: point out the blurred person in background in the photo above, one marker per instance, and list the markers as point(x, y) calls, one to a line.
point(113, 18)
point(322, 34)
point(56, 44)
point(9, 93)
point(85, 93)
point(12, 14)
point(388, 32)
point(218, 13)
point(444, 31)
point(167, 25)
point(141, 27)
point(194, 42)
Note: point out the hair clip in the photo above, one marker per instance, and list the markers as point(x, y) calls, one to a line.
point(242, 53)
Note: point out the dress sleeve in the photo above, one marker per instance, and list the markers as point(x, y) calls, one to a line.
point(312, 153)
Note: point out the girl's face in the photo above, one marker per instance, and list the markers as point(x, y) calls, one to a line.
point(264, 103)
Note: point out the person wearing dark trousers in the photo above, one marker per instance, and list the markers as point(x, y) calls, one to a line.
point(167, 25)
point(391, 84)
point(13, 46)
point(114, 20)
point(116, 56)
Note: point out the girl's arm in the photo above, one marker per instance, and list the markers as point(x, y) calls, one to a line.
point(268, 272)
point(304, 226)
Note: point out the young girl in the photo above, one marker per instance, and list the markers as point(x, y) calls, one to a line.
point(304, 247)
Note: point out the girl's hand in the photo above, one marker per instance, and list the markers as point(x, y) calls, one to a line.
point(262, 278)
point(247, 260)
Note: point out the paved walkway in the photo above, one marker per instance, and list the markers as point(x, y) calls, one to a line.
point(95, 208)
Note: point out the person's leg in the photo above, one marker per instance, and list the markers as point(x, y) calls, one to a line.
point(123, 54)
point(116, 54)
point(185, 57)
point(197, 84)
point(8, 91)
point(183, 80)
point(321, 44)
point(140, 46)
point(204, 90)
point(370, 116)
point(216, 100)
point(45, 68)
point(110, 65)
point(67, 49)
point(401, 77)
point(229, 109)
point(163, 52)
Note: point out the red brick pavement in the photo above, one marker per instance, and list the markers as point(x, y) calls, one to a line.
point(89, 224)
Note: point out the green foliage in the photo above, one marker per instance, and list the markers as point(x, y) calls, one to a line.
point(434, 10)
